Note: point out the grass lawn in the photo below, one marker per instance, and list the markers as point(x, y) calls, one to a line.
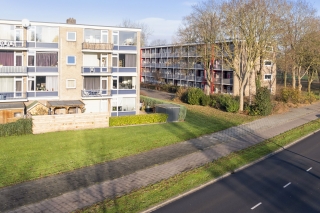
point(159, 192)
point(29, 157)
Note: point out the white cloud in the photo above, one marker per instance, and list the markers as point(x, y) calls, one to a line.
point(162, 28)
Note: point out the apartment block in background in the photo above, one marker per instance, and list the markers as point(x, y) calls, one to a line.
point(72, 68)
point(181, 65)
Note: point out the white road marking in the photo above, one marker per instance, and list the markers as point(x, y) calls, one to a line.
point(287, 185)
point(309, 169)
point(256, 206)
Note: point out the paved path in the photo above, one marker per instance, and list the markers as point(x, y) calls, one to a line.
point(70, 191)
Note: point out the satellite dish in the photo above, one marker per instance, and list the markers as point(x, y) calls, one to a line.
point(25, 23)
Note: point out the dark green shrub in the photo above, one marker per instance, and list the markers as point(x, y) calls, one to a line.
point(225, 102)
point(182, 94)
point(194, 96)
point(205, 100)
point(232, 105)
point(152, 101)
point(20, 127)
point(138, 119)
point(262, 104)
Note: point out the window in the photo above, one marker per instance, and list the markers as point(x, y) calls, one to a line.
point(71, 60)
point(267, 77)
point(127, 38)
point(127, 82)
point(267, 63)
point(127, 60)
point(114, 84)
point(71, 36)
point(71, 83)
point(46, 59)
point(46, 83)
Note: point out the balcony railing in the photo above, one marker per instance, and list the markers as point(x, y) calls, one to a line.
point(12, 69)
point(97, 46)
point(95, 93)
point(4, 43)
point(227, 81)
point(201, 78)
point(95, 70)
point(12, 95)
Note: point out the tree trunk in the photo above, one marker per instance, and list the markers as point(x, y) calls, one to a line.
point(294, 78)
point(309, 86)
point(241, 96)
point(285, 79)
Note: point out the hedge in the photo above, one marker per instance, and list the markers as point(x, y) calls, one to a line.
point(152, 101)
point(20, 127)
point(138, 119)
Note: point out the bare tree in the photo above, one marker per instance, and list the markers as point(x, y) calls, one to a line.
point(248, 28)
point(298, 21)
point(201, 27)
point(146, 31)
point(158, 42)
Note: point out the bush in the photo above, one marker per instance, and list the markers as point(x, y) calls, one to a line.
point(262, 104)
point(20, 127)
point(194, 96)
point(290, 95)
point(310, 97)
point(152, 101)
point(205, 100)
point(138, 119)
point(182, 94)
point(225, 102)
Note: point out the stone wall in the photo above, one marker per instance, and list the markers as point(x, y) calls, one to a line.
point(54, 123)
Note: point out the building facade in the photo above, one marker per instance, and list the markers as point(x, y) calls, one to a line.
point(96, 65)
point(181, 65)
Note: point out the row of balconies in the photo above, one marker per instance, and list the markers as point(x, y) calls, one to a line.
point(165, 55)
point(8, 44)
point(16, 96)
point(184, 66)
point(84, 70)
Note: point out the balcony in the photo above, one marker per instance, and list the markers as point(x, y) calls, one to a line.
point(94, 93)
point(43, 69)
point(5, 70)
point(12, 96)
point(200, 78)
point(95, 70)
point(227, 81)
point(11, 44)
point(97, 46)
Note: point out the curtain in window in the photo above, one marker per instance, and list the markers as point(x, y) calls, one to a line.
point(18, 86)
point(7, 58)
point(30, 85)
point(130, 60)
point(91, 83)
point(6, 84)
point(52, 83)
point(47, 59)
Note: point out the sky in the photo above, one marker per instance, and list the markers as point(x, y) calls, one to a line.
point(163, 17)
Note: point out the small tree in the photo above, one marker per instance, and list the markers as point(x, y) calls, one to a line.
point(262, 104)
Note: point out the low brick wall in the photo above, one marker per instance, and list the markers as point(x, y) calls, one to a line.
point(54, 123)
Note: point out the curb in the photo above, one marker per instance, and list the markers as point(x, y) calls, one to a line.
point(226, 175)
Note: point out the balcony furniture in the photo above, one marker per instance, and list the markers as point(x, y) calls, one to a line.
point(11, 44)
point(5, 43)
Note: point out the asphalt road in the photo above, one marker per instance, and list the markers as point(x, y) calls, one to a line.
point(286, 182)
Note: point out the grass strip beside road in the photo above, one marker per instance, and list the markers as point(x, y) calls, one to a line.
point(151, 195)
point(28, 157)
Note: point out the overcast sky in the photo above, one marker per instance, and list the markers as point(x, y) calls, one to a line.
point(162, 16)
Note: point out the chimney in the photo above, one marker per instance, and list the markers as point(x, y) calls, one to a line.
point(71, 21)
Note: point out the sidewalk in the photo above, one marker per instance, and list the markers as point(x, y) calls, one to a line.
point(71, 191)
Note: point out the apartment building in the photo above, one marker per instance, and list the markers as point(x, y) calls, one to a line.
point(181, 65)
point(74, 68)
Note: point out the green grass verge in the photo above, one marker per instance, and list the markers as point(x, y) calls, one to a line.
point(159, 192)
point(29, 157)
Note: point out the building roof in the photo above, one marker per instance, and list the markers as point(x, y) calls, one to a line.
point(69, 103)
point(15, 105)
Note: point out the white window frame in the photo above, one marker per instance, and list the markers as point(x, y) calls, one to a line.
point(69, 80)
point(75, 36)
point(75, 60)
point(267, 64)
point(267, 79)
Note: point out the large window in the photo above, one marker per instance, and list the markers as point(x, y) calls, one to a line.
point(127, 38)
point(123, 104)
point(43, 83)
point(92, 36)
point(7, 58)
point(6, 84)
point(47, 59)
point(127, 82)
point(6, 32)
point(91, 83)
point(127, 60)
point(43, 34)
